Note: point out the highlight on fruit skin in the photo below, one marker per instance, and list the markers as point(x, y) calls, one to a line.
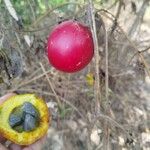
point(70, 46)
point(24, 119)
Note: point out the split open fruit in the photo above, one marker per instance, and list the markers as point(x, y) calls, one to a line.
point(70, 46)
point(24, 119)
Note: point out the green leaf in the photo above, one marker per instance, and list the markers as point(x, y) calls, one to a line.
point(56, 2)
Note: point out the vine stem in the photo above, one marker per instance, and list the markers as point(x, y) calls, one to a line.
point(51, 10)
point(97, 58)
point(106, 145)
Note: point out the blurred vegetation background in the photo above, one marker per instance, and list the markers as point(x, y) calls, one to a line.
point(122, 120)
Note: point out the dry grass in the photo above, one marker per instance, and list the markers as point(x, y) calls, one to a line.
point(123, 115)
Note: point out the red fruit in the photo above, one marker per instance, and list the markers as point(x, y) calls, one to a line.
point(70, 46)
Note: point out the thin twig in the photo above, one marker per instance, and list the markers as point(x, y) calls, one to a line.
point(139, 17)
point(131, 43)
point(51, 85)
point(141, 51)
point(140, 54)
point(97, 58)
point(144, 50)
point(40, 28)
point(107, 135)
point(51, 10)
point(136, 23)
point(106, 126)
point(32, 10)
point(29, 81)
point(34, 73)
point(112, 121)
point(106, 65)
point(117, 16)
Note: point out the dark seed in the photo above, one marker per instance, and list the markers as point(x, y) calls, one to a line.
point(30, 123)
point(28, 108)
point(14, 120)
point(17, 111)
point(24, 118)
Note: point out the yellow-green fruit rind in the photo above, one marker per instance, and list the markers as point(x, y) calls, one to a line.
point(24, 138)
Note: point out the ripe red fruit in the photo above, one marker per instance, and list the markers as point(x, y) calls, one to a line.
point(70, 46)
